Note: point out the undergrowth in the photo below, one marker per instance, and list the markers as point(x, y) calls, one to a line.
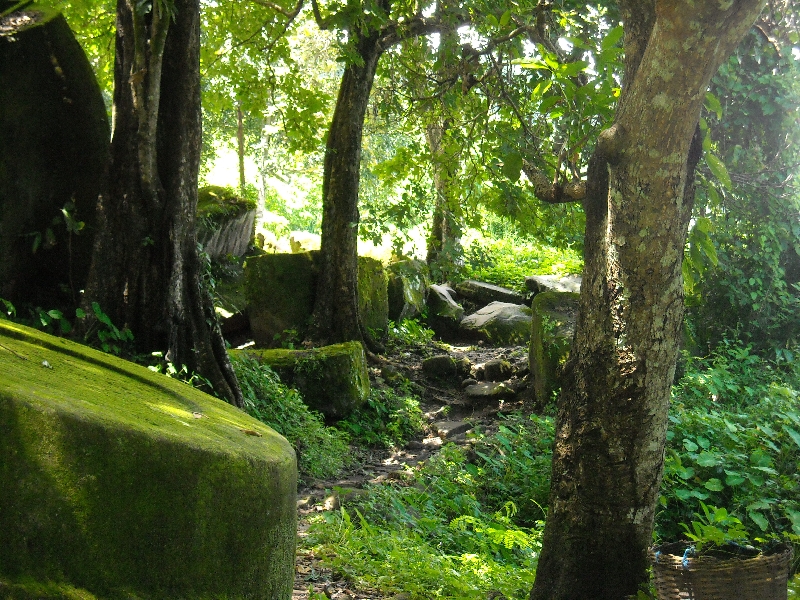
point(450, 531)
point(390, 417)
point(507, 262)
point(321, 451)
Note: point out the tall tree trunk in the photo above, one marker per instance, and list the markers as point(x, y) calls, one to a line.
point(612, 415)
point(145, 269)
point(443, 241)
point(336, 315)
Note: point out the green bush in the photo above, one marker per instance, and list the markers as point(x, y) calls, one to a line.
point(321, 451)
point(389, 418)
point(734, 442)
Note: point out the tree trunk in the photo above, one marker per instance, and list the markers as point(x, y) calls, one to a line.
point(443, 241)
point(612, 416)
point(336, 316)
point(146, 271)
point(240, 146)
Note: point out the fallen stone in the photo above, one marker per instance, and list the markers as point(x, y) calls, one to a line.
point(497, 369)
point(122, 482)
point(553, 283)
point(408, 283)
point(373, 302)
point(468, 382)
point(484, 293)
point(332, 379)
point(444, 313)
point(489, 391)
point(445, 365)
point(449, 429)
point(226, 222)
point(499, 324)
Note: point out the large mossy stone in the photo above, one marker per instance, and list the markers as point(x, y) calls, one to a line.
point(54, 142)
point(552, 329)
point(226, 222)
point(332, 379)
point(281, 289)
point(127, 484)
point(373, 301)
point(482, 293)
point(280, 296)
point(408, 282)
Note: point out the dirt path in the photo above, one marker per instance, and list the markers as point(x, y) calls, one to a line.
point(447, 409)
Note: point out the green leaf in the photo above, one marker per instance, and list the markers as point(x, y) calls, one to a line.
point(512, 165)
point(689, 445)
point(713, 105)
point(759, 520)
point(573, 68)
point(792, 434)
point(718, 169)
point(612, 38)
point(505, 18)
point(714, 485)
point(80, 313)
point(708, 459)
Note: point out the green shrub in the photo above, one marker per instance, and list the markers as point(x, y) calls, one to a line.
point(321, 451)
point(389, 418)
point(734, 442)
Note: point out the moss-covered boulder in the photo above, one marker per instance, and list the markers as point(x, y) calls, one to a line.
point(444, 313)
point(552, 328)
point(281, 289)
point(408, 283)
point(373, 302)
point(225, 222)
point(333, 379)
point(124, 483)
point(54, 140)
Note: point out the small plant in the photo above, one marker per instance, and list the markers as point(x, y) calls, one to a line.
point(714, 528)
point(409, 332)
point(321, 451)
point(389, 418)
point(111, 339)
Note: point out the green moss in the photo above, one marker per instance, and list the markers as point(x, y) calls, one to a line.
point(216, 201)
point(552, 328)
point(373, 300)
point(280, 296)
point(116, 478)
point(332, 379)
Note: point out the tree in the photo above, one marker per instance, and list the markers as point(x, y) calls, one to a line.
point(612, 412)
point(146, 271)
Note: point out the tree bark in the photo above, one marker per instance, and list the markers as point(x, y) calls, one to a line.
point(146, 271)
point(612, 415)
point(336, 316)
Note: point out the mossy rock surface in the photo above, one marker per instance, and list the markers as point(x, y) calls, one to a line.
point(499, 324)
point(373, 299)
point(116, 482)
point(408, 282)
point(281, 290)
point(280, 296)
point(332, 379)
point(552, 329)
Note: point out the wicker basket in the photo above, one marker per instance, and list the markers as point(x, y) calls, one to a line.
point(761, 577)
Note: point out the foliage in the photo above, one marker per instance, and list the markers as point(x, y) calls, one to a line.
point(389, 418)
point(508, 261)
point(514, 464)
point(432, 539)
point(321, 451)
point(715, 527)
point(408, 332)
point(734, 442)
